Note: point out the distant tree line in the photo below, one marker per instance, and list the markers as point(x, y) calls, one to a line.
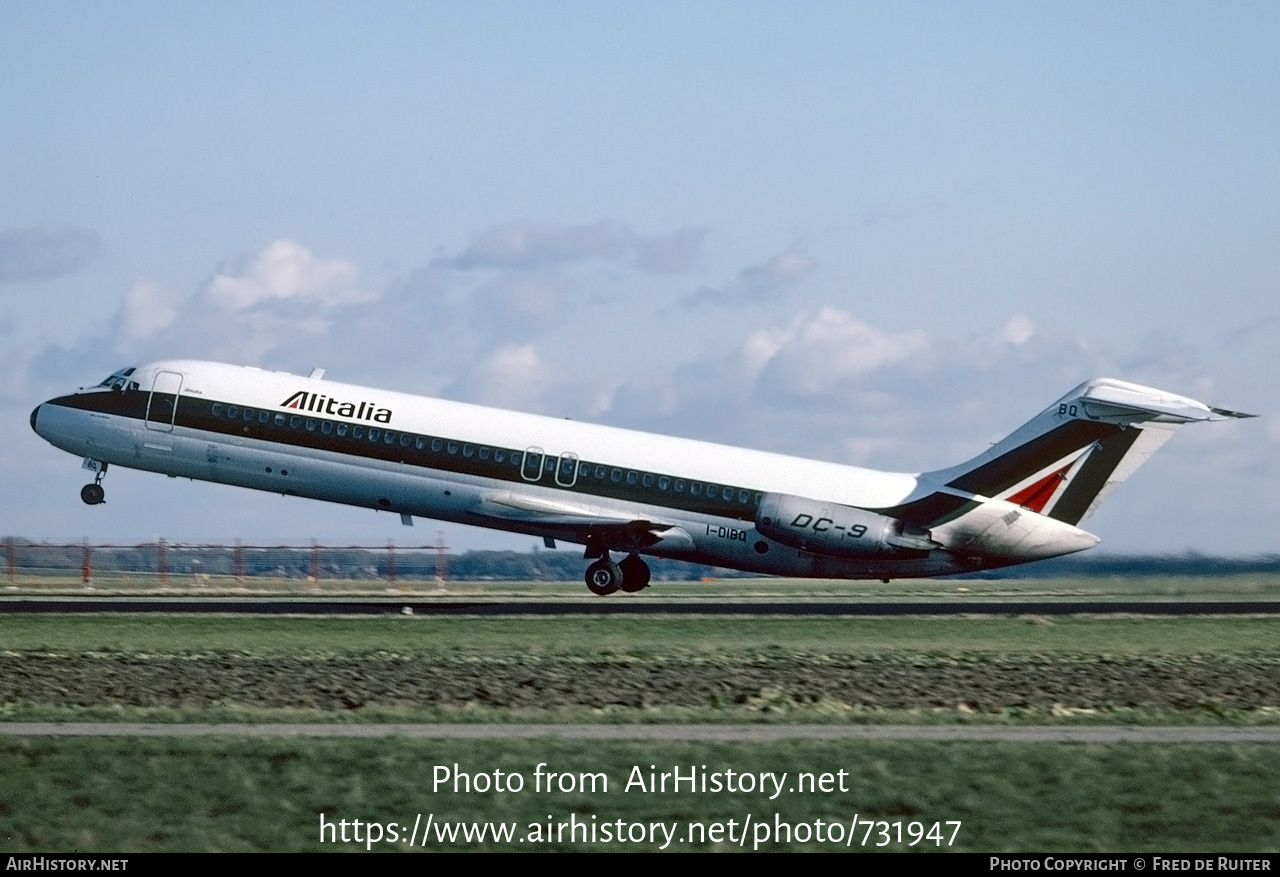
point(1186, 564)
point(28, 557)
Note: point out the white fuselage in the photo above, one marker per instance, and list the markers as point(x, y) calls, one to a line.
point(513, 471)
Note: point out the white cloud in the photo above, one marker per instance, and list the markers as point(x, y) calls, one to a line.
point(286, 270)
point(1017, 330)
point(522, 304)
point(148, 308)
point(513, 376)
point(818, 351)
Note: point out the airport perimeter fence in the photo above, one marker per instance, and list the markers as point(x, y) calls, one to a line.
point(31, 563)
point(163, 563)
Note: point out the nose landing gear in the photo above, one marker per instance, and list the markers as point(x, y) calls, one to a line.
point(604, 577)
point(93, 494)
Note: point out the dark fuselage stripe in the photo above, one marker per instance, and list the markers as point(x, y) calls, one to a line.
point(197, 414)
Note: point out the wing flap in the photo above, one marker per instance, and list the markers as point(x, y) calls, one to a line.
point(576, 523)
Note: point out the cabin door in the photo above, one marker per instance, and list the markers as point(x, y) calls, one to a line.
point(162, 404)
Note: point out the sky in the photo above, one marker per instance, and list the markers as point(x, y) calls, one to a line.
point(878, 234)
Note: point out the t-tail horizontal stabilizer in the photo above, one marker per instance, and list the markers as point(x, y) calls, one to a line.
point(1065, 461)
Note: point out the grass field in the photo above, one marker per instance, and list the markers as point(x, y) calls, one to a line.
point(247, 794)
point(709, 638)
point(646, 669)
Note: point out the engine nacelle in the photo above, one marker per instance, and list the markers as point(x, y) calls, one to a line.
point(837, 530)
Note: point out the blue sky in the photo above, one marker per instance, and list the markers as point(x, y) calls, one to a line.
point(882, 234)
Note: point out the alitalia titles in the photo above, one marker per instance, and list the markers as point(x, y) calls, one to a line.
point(322, 404)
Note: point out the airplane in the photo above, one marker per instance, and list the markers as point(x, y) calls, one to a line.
point(618, 491)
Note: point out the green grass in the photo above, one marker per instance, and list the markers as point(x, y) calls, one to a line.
point(766, 710)
point(719, 643)
point(189, 794)
point(700, 638)
point(247, 795)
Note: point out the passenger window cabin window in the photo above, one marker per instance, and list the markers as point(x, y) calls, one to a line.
point(468, 451)
point(233, 411)
point(388, 438)
point(263, 416)
point(499, 456)
point(744, 496)
point(281, 420)
point(342, 429)
point(295, 421)
point(633, 477)
point(615, 476)
point(453, 447)
point(437, 445)
point(421, 443)
point(485, 453)
point(374, 432)
point(695, 489)
point(601, 472)
point(311, 424)
point(326, 426)
point(712, 490)
point(217, 410)
point(648, 480)
point(584, 470)
point(357, 432)
point(679, 486)
point(664, 482)
point(405, 439)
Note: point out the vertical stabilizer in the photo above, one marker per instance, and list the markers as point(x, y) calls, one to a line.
point(1070, 457)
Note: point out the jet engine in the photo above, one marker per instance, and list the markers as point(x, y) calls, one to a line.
point(837, 530)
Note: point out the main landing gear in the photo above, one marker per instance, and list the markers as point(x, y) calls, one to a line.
point(93, 494)
point(630, 574)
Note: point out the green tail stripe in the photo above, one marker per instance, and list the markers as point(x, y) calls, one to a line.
point(997, 476)
point(1092, 477)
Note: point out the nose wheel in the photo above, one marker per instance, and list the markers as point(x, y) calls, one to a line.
point(93, 494)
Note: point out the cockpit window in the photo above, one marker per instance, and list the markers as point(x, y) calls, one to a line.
point(120, 380)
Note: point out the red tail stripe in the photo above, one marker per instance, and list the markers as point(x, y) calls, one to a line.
point(1037, 495)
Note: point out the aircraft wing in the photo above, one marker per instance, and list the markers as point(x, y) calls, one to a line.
point(576, 523)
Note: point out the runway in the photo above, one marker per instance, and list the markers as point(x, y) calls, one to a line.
point(1090, 734)
point(623, 606)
